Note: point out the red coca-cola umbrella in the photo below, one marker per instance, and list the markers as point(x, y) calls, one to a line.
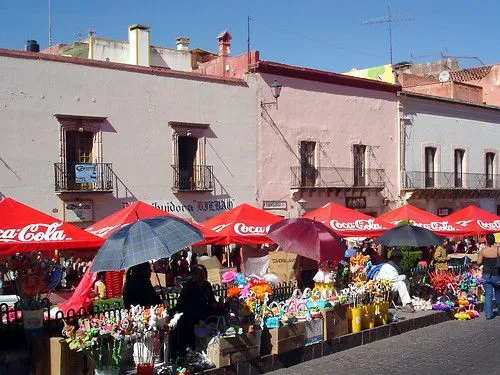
point(244, 224)
point(420, 218)
point(140, 210)
point(349, 223)
point(475, 221)
point(24, 229)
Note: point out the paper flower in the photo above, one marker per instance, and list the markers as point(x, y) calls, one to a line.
point(233, 291)
point(228, 277)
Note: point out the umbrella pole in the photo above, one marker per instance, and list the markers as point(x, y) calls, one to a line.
point(162, 294)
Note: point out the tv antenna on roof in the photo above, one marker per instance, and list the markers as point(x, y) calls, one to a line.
point(50, 25)
point(389, 19)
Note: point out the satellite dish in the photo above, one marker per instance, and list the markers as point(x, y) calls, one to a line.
point(444, 76)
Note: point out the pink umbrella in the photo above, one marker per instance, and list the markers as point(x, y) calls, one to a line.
point(308, 238)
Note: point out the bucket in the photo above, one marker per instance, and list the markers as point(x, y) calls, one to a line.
point(357, 317)
point(382, 312)
point(145, 369)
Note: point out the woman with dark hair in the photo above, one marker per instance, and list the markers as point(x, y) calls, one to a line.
point(489, 257)
point(138, 289)
point(196, 302)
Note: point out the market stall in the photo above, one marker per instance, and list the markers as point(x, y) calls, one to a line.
point(416, 216)
point(475, 221)
point(349, 223)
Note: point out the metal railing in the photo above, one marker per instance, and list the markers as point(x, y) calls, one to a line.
point(83, 177)
point(11, 321)
point(325, 177)
point(449, 180)
point(193, 178)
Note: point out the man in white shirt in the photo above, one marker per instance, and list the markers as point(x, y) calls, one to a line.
point(393, 271)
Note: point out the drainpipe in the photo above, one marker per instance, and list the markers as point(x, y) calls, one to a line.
point(401, 146)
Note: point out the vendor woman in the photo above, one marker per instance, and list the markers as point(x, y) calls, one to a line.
point(196, 302)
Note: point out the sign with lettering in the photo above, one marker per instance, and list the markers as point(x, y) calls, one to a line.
point(355, 202)
point(85, 173)
point(274, 205)
point(281, 264)
point(78, 211)
point(199, 210)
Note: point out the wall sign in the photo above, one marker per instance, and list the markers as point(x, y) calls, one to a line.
point(274, 205)
point(355, 202)
point(199, 210)
point(85, 173)
point(78, 211)
point(443, 211)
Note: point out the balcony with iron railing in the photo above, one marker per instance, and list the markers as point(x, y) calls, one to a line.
point(83, 177)
point(332, 177)
point(414, 180)
point(193, 178)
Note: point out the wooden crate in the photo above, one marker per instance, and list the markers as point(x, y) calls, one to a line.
point(283, 339)
point(52, 356)
point(225, 351)
point(335, 322)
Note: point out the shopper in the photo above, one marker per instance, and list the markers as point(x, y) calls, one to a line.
point(392, 271)
point(100, 286)
point(196, 302)
point(439, 259)
point(489, 257)
point(138, 289)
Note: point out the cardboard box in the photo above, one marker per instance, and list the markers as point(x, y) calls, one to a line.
point(52, 356)
point(282, 264)
point(283, 339)
point(232, 350)
point(314, 331)
point(335, 322)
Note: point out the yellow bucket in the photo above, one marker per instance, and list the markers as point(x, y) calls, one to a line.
point(356, 318)
point(382, 309)
point(368, 320)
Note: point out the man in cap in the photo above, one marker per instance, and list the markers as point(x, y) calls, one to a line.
point(392, 271)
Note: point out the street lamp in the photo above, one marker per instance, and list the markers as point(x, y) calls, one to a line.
point(302, 204)
point(276, 91)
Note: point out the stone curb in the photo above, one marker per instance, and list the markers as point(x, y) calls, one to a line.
point(274, 362)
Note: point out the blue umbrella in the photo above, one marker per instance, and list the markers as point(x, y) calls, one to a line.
point(145, 240)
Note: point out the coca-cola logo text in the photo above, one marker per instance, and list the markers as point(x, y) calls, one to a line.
point(438, 226)
point(251, 230)
point(361, 224)
point(495, 225)
point(34, 233)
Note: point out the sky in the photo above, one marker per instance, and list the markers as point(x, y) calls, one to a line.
point(321, 34)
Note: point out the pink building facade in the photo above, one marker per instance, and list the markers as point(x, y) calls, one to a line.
point(329, 138)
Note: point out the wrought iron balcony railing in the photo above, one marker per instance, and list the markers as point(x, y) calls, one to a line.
point(193, 178)
point(449, 180)
point(83, 177)
point(331, 177)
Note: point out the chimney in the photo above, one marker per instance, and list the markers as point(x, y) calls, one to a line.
point(138, 41)
point(182, 43)
point(32, 46)
point(224, 40)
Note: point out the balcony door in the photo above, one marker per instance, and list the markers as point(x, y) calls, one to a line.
point(459, 167)
point(430, 155)
point(188, 149)
point(489, 169)
point(359, 160)
point(308, 163)
point(79, 150)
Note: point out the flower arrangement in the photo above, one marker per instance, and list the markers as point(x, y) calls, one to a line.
point(358, 265)
point(101, 338)
point(148, 328)
point(32, 277)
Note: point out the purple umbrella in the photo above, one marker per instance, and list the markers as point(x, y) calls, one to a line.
point(308, 238)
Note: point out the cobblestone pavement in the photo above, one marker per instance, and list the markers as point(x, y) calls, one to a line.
point(454, 347)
